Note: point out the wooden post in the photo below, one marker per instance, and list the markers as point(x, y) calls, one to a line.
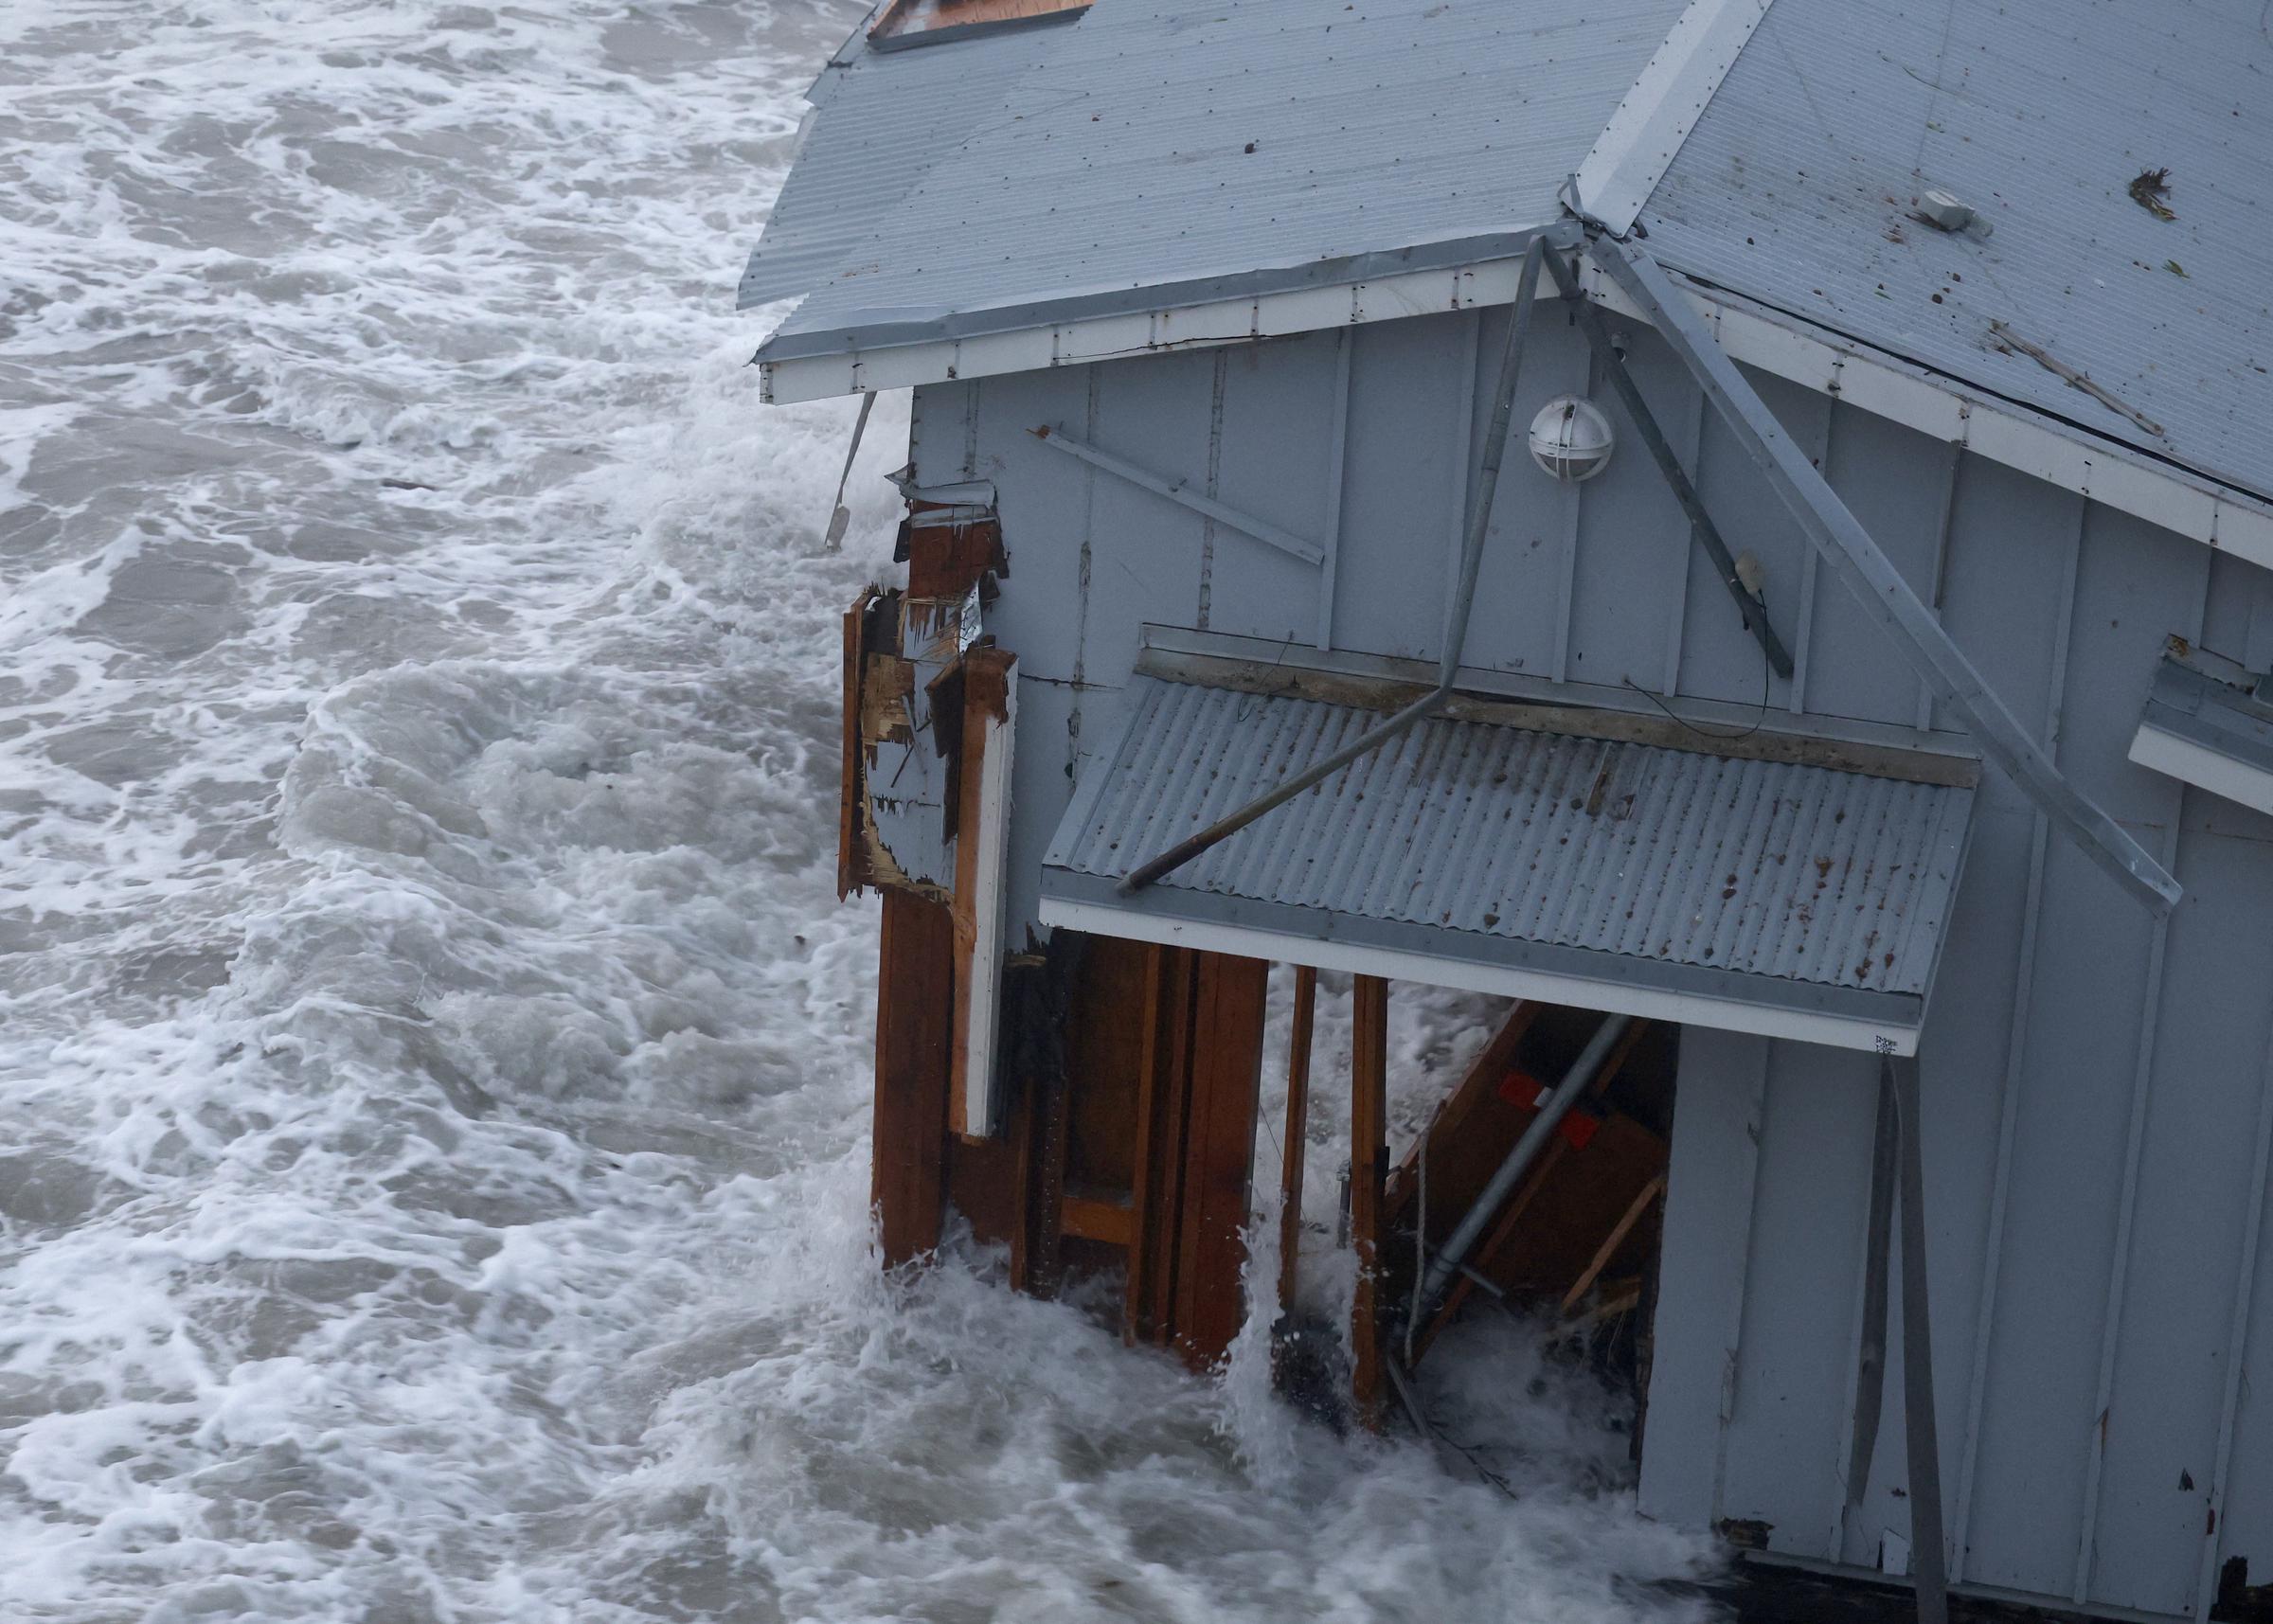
point(913, 1018)
point(1226, 1082)
point(1368, 1161)
point(1297, 1128)
point(1158, 1184)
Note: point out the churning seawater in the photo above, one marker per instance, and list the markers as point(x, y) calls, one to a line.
point(433, 1060)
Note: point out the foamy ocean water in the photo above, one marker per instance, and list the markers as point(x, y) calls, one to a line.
point(433, 1060)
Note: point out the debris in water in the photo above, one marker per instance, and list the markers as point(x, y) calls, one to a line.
point(2175, 269)
point(2149, 188)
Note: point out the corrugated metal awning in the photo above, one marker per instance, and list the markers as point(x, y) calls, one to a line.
point(1732, 884)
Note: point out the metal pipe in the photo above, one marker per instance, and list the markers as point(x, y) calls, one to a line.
point(1527, 1150)
point(1455, 631)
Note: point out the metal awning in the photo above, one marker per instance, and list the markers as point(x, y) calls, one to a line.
point(1731, 882)
point(2209, 721)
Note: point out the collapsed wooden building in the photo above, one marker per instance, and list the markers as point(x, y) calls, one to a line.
point(1746, 529)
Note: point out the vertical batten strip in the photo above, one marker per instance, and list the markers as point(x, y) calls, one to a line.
point(2119, 1268)
point(1337, 459)
point(1756, 1114)
point(1933, 599)
point(1992, 1244)
point(1804, 628)
point(1567, 563)
point(2119, 1271)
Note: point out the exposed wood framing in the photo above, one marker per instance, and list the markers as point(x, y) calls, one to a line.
point(1611, 1242)
point(1368, 1157)
point(1171, 978)
point(1227, 1075)
point(1297, 1130)
point(1491, 1252)
point(913, 1021)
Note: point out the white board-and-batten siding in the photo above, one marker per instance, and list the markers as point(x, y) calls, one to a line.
point(2094, 1083)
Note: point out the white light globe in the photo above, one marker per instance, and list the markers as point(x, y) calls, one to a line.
point(1571, 438)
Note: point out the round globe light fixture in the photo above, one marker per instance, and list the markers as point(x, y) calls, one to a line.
point(1571, 439)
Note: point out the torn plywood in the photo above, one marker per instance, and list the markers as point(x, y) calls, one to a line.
point(903, 730)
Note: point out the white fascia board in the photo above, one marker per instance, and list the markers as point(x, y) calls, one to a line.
point(1613, 997)
point(2073, 459)
point(1663, 104)
point(1077, 343)
point(2206, 769)
point(1815, 358)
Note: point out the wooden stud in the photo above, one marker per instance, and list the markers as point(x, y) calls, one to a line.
point(1368, 1154)
point(1611, 1242)
point(1298, 1129)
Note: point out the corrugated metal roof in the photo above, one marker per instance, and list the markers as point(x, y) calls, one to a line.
point(1177, 142)
point(1762, 868)
point(880, 119)
point(1798, 185)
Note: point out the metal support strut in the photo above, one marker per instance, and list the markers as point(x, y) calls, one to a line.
point(1455, 631)
point(1840, 538)
point(1676, 477)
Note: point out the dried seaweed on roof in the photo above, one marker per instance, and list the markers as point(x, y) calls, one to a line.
point(2148, 189)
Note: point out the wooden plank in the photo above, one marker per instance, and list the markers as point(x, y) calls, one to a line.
point(1227, 1085)
point(1111, 1219)
point(1611, 1242)
point(1298, 1129)
point(989, 694)
point(1368, 1152)
point(913, 1026)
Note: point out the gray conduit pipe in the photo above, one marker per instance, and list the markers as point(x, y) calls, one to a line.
point(1447, 1262)
point(1455, 633)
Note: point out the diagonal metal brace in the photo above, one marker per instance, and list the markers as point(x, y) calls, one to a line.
point(1839, 537)
point(1177, 492)
point(1661, 452)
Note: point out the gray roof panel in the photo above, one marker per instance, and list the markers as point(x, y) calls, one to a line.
point(1797, 185)
point(1175, 142)
point(879, 120)
point(1489, 838)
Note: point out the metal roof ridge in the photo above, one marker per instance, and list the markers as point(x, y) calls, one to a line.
point(1645, 130)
